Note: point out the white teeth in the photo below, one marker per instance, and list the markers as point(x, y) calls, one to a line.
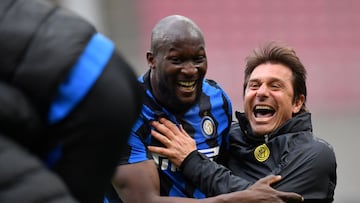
point(263, 108)
point(263, 111)
point(187, 84)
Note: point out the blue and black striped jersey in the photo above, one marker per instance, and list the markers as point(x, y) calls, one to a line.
point(208, 121)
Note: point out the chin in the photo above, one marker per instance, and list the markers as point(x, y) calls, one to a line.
point(261, 131)
point(180, 106)
point(188, 101)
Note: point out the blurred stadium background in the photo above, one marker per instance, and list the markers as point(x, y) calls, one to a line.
point(325, 34)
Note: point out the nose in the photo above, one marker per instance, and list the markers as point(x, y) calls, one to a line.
point(190, 68)
point(262, 91)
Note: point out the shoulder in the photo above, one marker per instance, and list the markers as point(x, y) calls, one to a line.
point(235, 129)
point(41, 35)
point(315, 151)
point(320, 146)
point(212, 84)
point(211, 88)
point(325, 151)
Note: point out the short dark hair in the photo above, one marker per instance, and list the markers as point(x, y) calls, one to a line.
point(279, 53)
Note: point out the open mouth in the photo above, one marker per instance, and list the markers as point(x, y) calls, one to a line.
point(263, 111)
point(187, 85)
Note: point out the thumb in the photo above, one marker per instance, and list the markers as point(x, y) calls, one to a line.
point(270, 179)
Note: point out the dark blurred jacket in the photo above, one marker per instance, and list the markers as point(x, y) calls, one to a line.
point(78, 98)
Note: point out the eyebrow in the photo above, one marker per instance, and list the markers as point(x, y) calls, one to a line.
point(272, 79)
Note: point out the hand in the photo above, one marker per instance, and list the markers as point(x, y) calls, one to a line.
point(178, 143)
point(262, 192)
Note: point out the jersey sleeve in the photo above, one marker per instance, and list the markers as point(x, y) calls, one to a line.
point(135, 150)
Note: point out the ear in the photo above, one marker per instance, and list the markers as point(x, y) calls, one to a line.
point(298, 104)
point(150, 59)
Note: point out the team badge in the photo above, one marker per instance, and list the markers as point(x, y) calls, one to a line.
point(262, 153)
point(208, 126)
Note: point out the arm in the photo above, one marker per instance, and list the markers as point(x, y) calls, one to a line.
point(179, 145)
point(140, 181)
point(315, 179)
point(24, 178)
point(95, 133)
point(210, 177)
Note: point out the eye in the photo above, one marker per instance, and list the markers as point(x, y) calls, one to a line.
point(275, 85)
point(253, 85)
point(175, 60)
point(199, 59)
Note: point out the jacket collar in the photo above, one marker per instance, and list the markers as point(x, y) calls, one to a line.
point(300, 122)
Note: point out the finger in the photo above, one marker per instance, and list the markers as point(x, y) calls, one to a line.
point(163, 139)
point(159, 150)
point(270, 179)
point(291, 197)
point(164, 130)
point(183, 131)
point(170, 125)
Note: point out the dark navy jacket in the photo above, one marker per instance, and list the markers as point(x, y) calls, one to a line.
point(306, 163)
point(83, 95)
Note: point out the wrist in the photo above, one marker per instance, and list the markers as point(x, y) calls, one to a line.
point(188, 158)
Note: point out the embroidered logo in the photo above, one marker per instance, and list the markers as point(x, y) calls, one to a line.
point(208, 126)
point(262, 153)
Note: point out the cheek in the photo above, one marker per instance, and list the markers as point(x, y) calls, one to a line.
point(249, 97)
point(203, 69)
point(285, 111)
point(248, 100)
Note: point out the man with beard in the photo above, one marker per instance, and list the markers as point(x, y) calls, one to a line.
point(176, 88)
point(273, 136)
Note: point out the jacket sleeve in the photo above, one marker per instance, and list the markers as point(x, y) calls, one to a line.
point(212, 178)
point(24, 178)
point(94, 134)
point(312, 173)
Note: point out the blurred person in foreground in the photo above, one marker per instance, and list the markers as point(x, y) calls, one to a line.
point(68, 101)
point(176, 88)
point(273, 136)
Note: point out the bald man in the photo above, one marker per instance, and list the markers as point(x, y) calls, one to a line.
point(176, 89)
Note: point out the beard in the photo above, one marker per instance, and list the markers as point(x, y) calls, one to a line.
point(171, 101)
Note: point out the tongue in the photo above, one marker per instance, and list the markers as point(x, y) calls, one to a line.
point(263, 115)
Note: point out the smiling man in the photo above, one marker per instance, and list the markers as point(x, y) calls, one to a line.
point(176, 88)
point(269, 98)
point(273, 136)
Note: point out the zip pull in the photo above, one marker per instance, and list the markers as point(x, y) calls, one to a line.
point(266, 138)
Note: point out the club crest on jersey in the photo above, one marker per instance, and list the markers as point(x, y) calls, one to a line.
point(208, 127)
point(262, 153)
